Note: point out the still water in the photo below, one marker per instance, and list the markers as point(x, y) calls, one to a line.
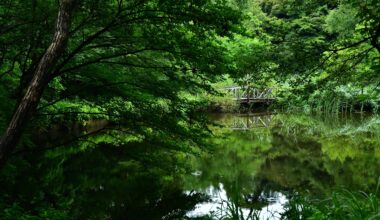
point(259, 161)
point(249, 169)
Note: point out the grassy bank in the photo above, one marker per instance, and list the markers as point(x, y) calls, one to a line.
point(341, 205)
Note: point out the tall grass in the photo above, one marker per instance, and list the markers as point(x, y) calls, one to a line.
point(342, 99)
point(342, 205)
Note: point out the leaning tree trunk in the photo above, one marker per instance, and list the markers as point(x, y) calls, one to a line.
point(39, 81)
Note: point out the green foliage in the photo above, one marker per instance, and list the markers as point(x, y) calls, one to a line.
point(127, 63)
point(125, 98)
point(343, 204)
point(317, 55)
point(342, 21)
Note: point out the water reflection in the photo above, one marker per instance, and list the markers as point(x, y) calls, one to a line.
point(249, 172)
point(261, 160)
point(222, 207)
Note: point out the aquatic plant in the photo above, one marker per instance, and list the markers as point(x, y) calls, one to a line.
point(342, 205)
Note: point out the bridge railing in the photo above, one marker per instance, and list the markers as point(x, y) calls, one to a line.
point(249, 122)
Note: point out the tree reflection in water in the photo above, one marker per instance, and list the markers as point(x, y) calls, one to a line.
point(246, 174)
point(261, 166)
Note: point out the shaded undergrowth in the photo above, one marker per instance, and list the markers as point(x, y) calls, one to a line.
point(342, 205)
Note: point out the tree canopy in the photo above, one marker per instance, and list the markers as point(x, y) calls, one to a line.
point(127, 75)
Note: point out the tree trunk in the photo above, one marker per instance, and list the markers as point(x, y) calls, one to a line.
point(41, 77)
point(375, 36)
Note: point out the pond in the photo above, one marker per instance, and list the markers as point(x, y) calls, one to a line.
point(260, 161)
point(249, 169)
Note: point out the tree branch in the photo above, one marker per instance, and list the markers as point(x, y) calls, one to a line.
point(67, 113)
point(374, 38)
point(351, 45)
point(100, 59)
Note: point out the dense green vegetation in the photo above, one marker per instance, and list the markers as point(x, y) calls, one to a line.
point(99, 98)
point(342, 204)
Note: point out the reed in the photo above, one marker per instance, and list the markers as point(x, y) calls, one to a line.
point(342, 205)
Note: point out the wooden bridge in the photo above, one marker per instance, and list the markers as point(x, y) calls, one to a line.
point(250, 95)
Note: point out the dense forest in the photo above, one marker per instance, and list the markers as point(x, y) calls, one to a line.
point(105, 106)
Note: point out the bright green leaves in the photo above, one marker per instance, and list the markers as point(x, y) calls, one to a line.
point(300, 40)
point(342, 21)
